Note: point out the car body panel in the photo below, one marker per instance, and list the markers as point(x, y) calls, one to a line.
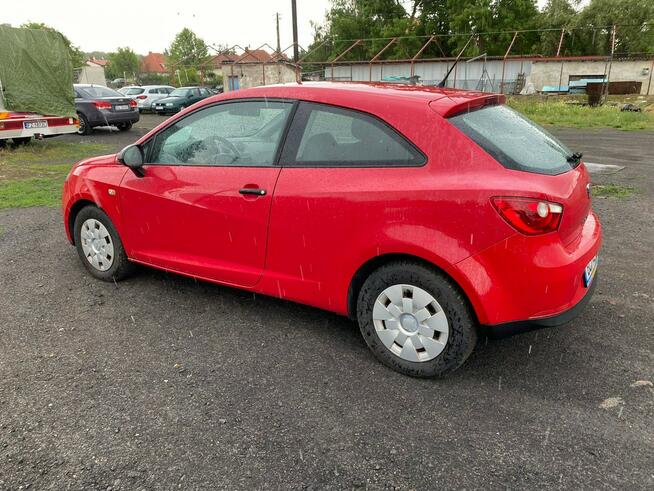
point(219, 234)
point(322, 225)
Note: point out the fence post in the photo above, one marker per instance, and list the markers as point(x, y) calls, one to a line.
point(504, 61)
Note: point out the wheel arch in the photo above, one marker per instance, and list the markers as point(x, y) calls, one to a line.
point(375, 263)
point(72, 214)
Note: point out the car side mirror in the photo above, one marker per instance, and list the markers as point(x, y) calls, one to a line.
point(132, 156)
point(189, 96)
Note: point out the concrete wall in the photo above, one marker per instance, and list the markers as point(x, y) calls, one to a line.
point(91, 75)
point(549, 72)
point(257, 74)
point(469, 75)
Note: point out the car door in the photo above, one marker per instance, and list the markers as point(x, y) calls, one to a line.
point(202, 205)
point(340, 199)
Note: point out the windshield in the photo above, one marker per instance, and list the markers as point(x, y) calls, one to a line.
point(180, 92)
point(515, 141)
point(132, 91)
point(99, 91)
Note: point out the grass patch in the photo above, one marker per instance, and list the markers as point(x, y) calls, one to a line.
point(613, 190)
point(561, 114)
point(33, 174)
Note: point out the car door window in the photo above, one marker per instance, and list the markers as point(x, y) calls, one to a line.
point(237, 133)
point(324, 135)
point(153, 91)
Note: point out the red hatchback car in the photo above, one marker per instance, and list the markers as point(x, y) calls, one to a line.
point(426, 214)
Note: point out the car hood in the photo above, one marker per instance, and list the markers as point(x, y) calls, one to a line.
point(169, 99)
point(100, 160)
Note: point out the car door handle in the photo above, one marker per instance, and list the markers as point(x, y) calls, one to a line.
point(255, 191)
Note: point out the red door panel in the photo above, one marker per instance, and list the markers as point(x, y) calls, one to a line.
point(194, 220)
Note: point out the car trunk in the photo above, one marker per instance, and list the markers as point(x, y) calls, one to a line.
point(572, 191)
point(520, 145)
point(118, 104)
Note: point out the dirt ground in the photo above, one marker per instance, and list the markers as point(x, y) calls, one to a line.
point(162, 382)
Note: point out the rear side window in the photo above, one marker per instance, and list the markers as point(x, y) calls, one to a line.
point(515, 141)
point(324, 135)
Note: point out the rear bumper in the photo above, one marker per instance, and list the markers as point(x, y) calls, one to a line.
point(108, 118)
point(519, 327)
point(529, 279)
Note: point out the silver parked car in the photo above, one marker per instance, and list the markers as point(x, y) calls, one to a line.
point(146, 95)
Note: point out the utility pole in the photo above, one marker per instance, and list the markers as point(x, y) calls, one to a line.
point(296, 54)
point(279, 45)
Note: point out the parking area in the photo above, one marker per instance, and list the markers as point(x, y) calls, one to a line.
point(165, 382)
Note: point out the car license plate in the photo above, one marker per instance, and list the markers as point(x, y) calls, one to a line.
point(41, 123)
point(589, 272)
point(122, 108)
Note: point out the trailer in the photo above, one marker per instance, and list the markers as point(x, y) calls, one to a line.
point(36, 85)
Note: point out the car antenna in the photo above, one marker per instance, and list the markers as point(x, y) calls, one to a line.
point(442, 82)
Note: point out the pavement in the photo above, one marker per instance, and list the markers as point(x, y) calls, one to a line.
point(163, 382)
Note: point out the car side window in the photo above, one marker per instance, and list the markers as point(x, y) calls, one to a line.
point(324, 135)
point(243, 133)
point(153, 91)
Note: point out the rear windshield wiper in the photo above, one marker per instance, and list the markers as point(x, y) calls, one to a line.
point(575, 158)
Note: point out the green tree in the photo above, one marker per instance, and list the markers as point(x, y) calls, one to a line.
point(557, 14)
point(123, 63)
point(76, 55)
point(188, 51)
point(634, 20)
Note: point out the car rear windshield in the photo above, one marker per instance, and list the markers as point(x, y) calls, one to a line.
point(99, 91)
point(134, 91)
point(515, 141)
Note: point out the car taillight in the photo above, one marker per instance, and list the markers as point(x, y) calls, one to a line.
point(141, 97)
point(102, 104)
point(132, 103)
point(528, 215)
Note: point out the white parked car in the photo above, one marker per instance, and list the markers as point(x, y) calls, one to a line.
point(145, 95)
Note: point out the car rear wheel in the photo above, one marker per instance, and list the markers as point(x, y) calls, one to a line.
point(415, 320)
point(84, 128)
point(99, 246)
point(22, 141)
point(125, 126)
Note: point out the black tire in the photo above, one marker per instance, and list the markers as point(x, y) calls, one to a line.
point(462, 336)
point(121, 267)
point(84, 126)
point(22, 141)
point(125, 126)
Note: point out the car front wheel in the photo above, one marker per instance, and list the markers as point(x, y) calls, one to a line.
point(415, 320)
point(99, 246)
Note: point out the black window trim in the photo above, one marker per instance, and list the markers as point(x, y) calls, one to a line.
point(149, 143)
point(298, 126)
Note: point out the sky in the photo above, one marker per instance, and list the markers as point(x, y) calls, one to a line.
point(143, 25)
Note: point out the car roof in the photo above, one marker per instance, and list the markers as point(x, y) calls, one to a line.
point(444, 101)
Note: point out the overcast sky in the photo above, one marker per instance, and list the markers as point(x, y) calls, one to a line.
point(151, 25)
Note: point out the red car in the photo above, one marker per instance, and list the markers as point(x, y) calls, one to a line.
point(426, 214)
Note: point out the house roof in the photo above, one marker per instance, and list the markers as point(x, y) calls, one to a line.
point(218, 60)
point(97, 61)
point(154, 63)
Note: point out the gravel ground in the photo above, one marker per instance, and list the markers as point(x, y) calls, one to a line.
point(162, 382)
